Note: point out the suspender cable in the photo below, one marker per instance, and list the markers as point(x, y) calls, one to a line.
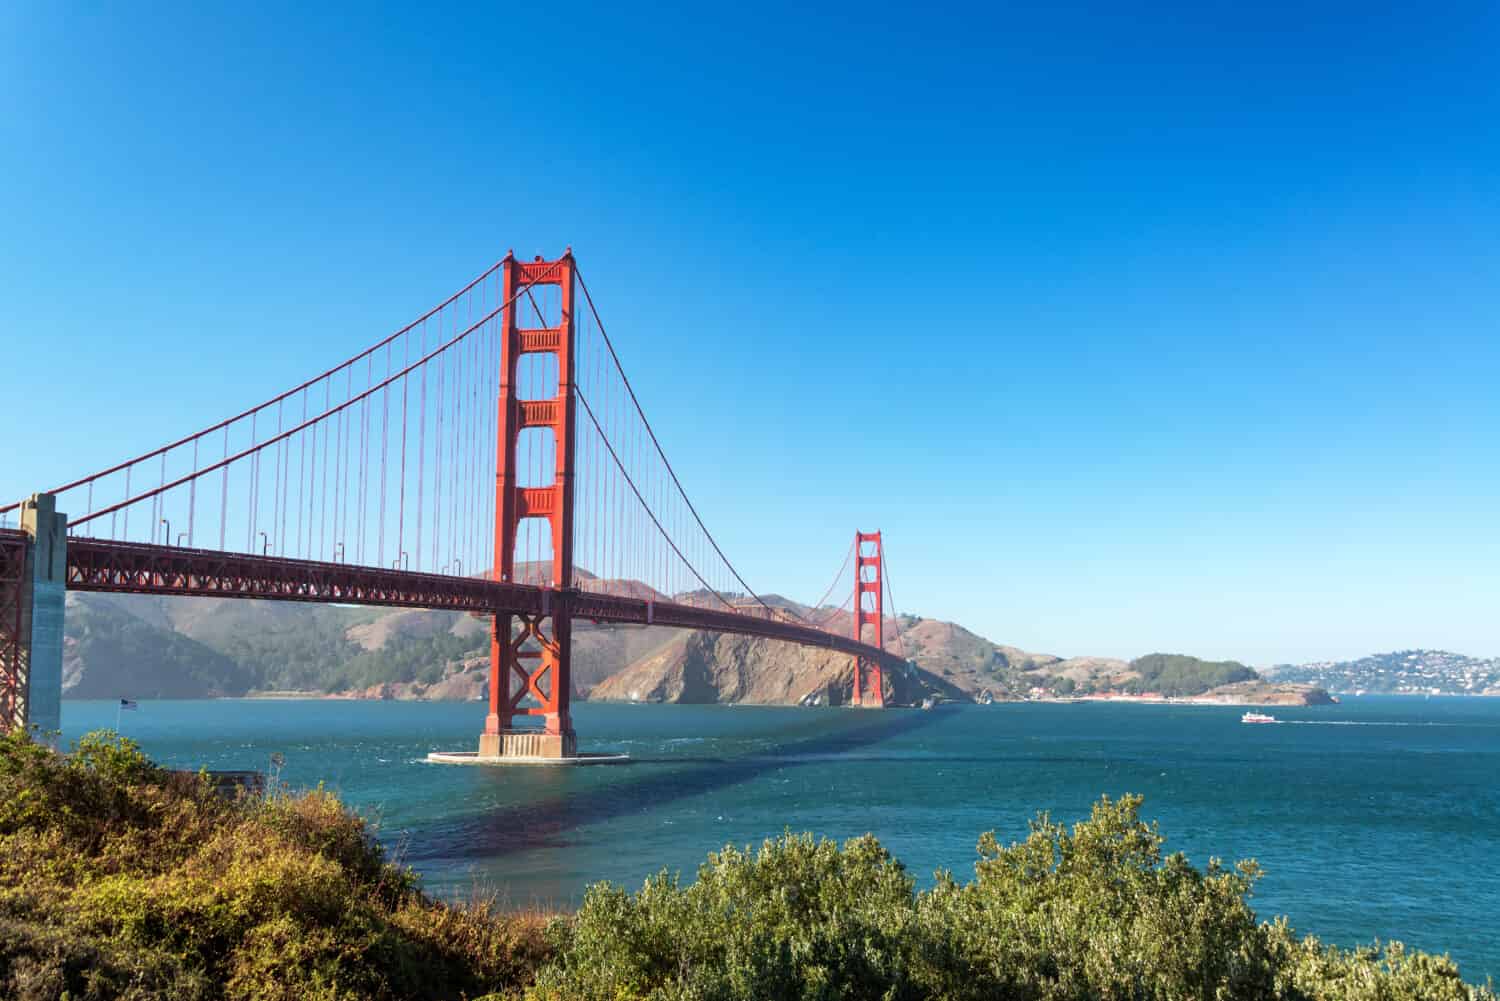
point(192, 494)
point(837, 577)
point(421, 456)
point(885, 576)
point(437, 465)
point(670, 471)
point(385, 432)
point(324, 418)
point(224, 424)
point(401, 504)
point(590, 411)
point(305, 479)
point(223, 494)
point(250, 528)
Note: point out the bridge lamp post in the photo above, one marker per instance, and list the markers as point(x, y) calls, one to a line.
point(166, 538)
point(180, 537)
point(458, 567)
point(265, 544)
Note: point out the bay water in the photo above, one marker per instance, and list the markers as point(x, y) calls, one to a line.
point(1375, 818)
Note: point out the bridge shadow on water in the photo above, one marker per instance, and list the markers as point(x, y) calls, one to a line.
point(623, 790)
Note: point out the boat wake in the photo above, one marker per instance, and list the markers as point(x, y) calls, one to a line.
point(1362, 722)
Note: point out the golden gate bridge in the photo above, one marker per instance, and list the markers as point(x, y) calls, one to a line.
point(490, 457)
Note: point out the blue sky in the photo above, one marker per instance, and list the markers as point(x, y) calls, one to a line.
point(1132, 329)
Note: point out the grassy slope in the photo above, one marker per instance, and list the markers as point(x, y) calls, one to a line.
point(149, 647)
point(144, 660)
point(121, 880)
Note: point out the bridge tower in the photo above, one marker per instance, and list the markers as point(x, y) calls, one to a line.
point(868, 610)
point(534, 661)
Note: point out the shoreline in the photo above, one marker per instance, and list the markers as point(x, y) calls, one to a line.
point(1337, 697)
point(1188, 700)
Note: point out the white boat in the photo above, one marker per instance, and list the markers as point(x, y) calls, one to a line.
point(1258, 718)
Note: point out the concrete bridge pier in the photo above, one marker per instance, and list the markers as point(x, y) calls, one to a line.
point(33, 590)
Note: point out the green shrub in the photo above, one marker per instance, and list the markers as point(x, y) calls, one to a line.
point(799, 919)
point(1095, 913)
point(121, 880)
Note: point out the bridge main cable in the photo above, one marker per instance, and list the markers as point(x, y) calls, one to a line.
point(283, 435)
point(189, 439)
point(656, 444)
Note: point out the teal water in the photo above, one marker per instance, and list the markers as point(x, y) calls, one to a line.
point(1377, 818)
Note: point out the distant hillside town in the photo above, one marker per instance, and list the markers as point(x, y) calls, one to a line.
point(1404, 672)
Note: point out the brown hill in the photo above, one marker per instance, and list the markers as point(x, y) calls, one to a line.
point(237, 645)
point(407, 623)
point(698, 667)
point(1093, 672)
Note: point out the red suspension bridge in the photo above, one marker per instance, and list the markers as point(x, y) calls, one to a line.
point(490, 457)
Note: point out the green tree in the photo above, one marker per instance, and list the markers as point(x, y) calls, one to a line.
point(1179, 675)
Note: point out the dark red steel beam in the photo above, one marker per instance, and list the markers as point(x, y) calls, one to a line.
point(613, 608)
point(12, 578)
point(868, 689)
point(136, 568)
point(541, 656)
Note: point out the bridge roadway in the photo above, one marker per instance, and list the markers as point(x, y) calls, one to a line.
point(138, 568)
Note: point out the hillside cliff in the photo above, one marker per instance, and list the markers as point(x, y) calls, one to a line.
point(697, 667)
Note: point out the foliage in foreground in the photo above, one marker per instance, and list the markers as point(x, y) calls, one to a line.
point(1095, 913)
point(121, 880)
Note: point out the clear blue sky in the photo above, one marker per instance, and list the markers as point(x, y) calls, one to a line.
point(1132, 329)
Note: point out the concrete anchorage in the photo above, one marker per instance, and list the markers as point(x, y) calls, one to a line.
point(33, 592)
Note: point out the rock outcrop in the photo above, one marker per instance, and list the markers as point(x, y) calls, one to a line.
point(1269, 693)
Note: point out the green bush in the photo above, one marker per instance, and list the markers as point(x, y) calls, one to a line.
point(801, 919)
point(1095, 913)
